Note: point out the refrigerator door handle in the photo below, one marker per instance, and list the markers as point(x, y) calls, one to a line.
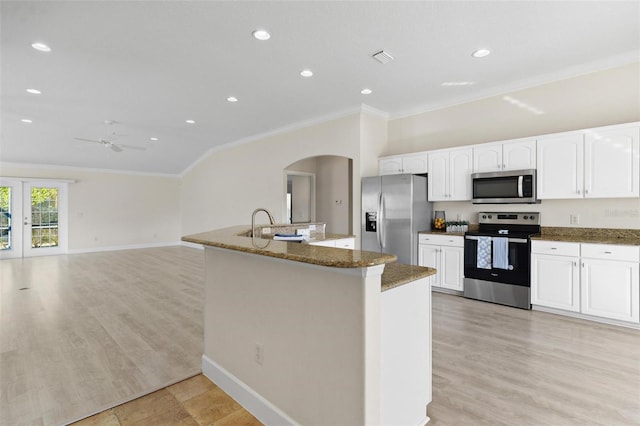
point(378, 221)
point(381, 228)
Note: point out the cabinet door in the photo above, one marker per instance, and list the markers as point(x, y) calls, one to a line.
point(460, 167)
point(390, 166)
point(487, 158)
point(560, 167)
point(429, 255)
point(416, 164)
point(452, 265)
point(610, 289)
point(438, 185)
point(519, 155)
point(555, 282)
point(611, 163)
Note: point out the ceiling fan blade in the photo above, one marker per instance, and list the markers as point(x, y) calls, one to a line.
point(138, 148)
point(115, 148)
point(88, 140)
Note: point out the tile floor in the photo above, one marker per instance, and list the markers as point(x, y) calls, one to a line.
point(194, 401)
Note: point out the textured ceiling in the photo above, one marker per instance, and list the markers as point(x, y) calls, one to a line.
point(151, 65)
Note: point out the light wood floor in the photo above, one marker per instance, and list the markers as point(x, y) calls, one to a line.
point(81, 333)
point(104, 327)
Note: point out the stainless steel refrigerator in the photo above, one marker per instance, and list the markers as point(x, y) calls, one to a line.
point(394, 209)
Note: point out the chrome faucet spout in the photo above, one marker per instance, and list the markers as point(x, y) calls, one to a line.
point(253, 219)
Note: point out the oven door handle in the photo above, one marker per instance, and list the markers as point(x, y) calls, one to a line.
point(511, 240)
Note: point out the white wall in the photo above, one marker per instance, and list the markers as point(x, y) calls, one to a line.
point(333, 193)
point(592, 100)
point(108, 210)
point(226, 186)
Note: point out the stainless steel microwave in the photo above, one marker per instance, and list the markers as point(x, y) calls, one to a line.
point(509, 187)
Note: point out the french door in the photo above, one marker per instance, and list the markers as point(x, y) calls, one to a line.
point(33, 218)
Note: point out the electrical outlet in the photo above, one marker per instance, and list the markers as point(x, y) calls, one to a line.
point(259, 353)
point(574, 219)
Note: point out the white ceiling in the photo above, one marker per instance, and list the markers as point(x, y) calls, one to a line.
point(152, 65)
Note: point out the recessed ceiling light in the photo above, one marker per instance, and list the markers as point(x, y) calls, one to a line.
point(232, 99)
point(41, 47)
point(458, 83)
point(153, 139)
point(480, 53)
point(26, 120)
point(306, 73)
point(261, 35)
point(366, 91)
point(34, 91)
point(190, 122)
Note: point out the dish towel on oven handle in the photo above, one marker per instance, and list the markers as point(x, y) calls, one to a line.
point(483, 260)
point(501, 253)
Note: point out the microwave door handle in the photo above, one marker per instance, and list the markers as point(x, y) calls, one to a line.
point(520, 192)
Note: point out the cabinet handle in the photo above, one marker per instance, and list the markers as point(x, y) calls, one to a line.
point(586, 191)
point(577, 191)
point(504, 166)
point(575, 263)
point(554, 248)
point(607, 252)
point(583, 264)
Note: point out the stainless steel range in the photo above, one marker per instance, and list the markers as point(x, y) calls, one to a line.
point(497, 258)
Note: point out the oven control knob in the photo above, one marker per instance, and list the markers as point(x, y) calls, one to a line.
point(484, 216)
point(526, 217)
point(490, 217)
point(531, 217)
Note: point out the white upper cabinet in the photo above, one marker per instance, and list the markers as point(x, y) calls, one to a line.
point(599, 163)
point(560, 167)
point(413, 163)
point(519, 155)
point(390, 166)
point(508, 155)
point(487, 158)
point(611, 163)
point(450, 175)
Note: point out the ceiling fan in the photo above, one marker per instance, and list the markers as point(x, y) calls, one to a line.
point(116, 147)
point(108, 143)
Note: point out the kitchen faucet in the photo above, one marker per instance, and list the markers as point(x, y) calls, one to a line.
point(253, 219)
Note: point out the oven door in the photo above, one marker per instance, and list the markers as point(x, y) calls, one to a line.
point(519, 262)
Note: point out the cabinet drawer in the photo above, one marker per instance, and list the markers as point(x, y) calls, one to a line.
point(611, 252)
point(555, 247)
point(441, 240)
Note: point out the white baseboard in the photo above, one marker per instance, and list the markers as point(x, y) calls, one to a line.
point(252, 401)
point(125, 247)
point(192, 245)
point(585, 317)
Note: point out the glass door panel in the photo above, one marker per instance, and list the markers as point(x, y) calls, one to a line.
point(10, 219)
point(44, 218)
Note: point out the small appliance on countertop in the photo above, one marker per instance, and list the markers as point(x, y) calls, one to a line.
point(497, 258)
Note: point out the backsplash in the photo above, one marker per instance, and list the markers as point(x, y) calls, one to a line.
point(620, 213)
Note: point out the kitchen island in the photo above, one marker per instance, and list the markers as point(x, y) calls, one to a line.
point(304, 334)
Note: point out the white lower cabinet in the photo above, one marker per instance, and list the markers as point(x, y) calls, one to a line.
point(593, 279)
point(446, 254)
point(610, 282)
point(555, 281)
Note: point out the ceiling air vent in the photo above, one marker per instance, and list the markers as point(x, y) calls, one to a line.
point(382, 57)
